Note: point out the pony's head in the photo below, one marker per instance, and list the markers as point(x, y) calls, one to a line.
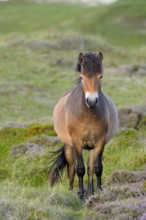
point(90, 69)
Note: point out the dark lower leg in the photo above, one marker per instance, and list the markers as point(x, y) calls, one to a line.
point(90, 186)
point(90, 173)
point(98, 168)
point(80, 173)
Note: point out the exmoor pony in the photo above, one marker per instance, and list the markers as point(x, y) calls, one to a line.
point(84, 118)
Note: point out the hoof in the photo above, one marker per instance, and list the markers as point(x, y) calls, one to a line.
point(81, 195)
point(99, 188)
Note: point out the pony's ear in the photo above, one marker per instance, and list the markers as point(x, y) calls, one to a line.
point(100, 56)
point(81, 58)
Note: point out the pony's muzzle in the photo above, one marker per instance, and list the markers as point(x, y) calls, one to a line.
point(91, 99)
point(91, 102)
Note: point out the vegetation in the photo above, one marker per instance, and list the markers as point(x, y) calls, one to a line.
point(39, 47)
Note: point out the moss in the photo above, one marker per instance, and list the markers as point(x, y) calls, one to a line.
point(12, 136)
point(37, 129)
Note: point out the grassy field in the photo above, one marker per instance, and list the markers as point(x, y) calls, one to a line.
point(39, 47)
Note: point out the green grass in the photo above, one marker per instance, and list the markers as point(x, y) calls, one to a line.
point(44, 66)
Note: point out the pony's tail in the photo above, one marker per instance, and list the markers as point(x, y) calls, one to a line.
point(57, 166)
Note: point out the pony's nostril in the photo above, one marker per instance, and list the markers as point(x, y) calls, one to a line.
point(88, 101)
point(96, 100)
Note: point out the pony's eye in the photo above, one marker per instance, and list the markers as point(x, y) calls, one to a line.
point(101, 77)
point(81, 77)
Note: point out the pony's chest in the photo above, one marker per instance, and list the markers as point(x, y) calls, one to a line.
point(87, 129)
point(91, 132)
point(89, 137)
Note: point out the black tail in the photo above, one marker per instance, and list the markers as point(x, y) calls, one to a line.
point(57, 166)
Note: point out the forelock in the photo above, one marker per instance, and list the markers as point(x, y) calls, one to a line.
point(91, 64)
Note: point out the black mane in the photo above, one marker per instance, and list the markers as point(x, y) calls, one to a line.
point(91, 64)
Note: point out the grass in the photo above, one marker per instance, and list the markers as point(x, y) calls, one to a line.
point(39, 47)
point(24, 180)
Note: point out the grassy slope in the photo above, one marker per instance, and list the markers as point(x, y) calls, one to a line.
point(121, 23)
point(39, 45)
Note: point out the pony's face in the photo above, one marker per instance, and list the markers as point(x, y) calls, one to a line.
point(91, 81)
point(91, 87)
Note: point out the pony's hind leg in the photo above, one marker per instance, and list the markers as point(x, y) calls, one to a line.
point(70, 158)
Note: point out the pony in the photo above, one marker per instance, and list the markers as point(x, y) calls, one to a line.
point(84, 118)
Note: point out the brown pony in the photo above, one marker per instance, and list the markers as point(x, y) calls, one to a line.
point(84, 118)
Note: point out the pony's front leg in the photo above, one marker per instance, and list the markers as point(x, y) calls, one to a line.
point(90, 172)
point(80, 169)
point(98, 168)
point(70, 158)
point(95, 165)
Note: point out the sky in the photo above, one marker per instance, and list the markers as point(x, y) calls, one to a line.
point(107, 1)
point(91, 2)
point(95, 1)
